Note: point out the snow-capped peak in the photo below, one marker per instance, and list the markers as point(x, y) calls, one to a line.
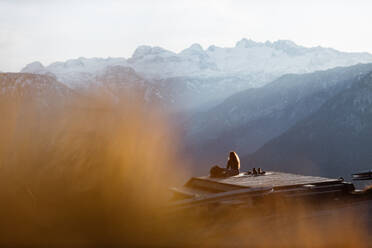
point(91, 65)
point(253, 62)
point(193, 49)
point(212, 48)
point(34, 67)
point(289, 47)
point(143, 51)
point(75, 73)
point(284, 44)
point(244, 43)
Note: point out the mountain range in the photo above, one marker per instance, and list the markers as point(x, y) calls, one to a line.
point(281, 106)
point(197, 79)
point(335, 140)
point(247, 120)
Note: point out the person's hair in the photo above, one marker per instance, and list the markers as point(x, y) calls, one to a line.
point(234, 157)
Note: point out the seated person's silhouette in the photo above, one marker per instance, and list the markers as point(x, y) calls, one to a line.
point(232, 167)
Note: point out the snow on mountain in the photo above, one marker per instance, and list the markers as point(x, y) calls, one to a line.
point(156, 62)
point(76, 73)
point(280, 57)
point(253, 63)
point(35, 68)
point(247, 57)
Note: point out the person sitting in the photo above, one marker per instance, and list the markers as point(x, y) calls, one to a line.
point(260, 171)
point(233, 164)
point(232, 167)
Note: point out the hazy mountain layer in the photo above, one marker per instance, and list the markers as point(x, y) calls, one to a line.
point(247, 120)
point(337, 139)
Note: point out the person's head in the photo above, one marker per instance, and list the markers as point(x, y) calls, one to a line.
point(234, 157)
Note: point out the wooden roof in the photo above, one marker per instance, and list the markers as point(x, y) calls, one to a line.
point(243, 190)
point(202, 186)
point(269, 179)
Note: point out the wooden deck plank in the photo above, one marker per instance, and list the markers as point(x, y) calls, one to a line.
point(270, 179)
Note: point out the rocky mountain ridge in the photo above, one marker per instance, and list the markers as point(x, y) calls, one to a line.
point(201, 78)
point(335, 139)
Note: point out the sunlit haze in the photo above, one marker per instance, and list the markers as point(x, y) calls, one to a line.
point(49, 31)
point(185, 123)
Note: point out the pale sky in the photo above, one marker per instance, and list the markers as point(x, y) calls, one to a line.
point(49, 31)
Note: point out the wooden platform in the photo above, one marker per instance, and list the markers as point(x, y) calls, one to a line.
point(264, 195)
point(270, 179)
point(206, 186)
